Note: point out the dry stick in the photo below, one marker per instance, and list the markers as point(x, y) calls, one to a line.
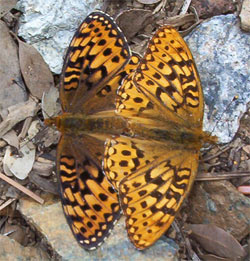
point(22, 188)
point(185, 7)
point(217, 154)
point(7, 203)
point(221, 176)
point(25, 128)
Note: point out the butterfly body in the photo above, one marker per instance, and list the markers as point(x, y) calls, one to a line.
point(78, 124)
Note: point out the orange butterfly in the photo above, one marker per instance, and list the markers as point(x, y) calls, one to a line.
point(93, 70)
point(154, 168)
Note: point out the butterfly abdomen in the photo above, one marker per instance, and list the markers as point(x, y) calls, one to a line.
point(177, 135)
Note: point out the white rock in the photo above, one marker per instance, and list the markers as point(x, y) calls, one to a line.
point(49, 25)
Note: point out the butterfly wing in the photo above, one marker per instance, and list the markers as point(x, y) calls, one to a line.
point(96, 53)
point(154, 169)
point(104, 99)
point(156, 180)
point(95, 64)
point(167, 75)
point(89, 202)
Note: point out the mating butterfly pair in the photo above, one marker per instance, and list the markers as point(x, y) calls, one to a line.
point(152, 130)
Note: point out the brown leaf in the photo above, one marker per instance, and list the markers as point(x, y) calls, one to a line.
point(6, 6)
point(214, 258)
point(148, 2)
point(50, 105)
point(35, 71)
point(44, 184)
point(132, 21)
point(10, 92)
point(17, 113)
point(11, 138)
point(216, 241)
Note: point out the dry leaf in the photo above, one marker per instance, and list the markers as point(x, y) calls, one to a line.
point(20, 166)
point(148, 2)
point(6, 169)
point(10, 92)
point(44, 184)
point(6, 6)
point(43, 169)
point(36, 73)
point(11, 138)
point(132, 21)
point(214, 258)
point(246, 149)
point(33, 129)
point(17, 113)
point(50, 105)
point(216, 241)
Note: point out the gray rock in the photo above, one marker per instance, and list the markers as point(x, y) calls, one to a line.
point(50, 221)
point(222, 54)
point(219, 203)
point(11, 250)
point(50, 25)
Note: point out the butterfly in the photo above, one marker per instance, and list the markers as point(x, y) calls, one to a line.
point(154, 167)
point(97, 60)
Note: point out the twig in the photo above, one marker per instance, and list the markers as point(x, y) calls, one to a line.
point(25, 128)
point(22, 188)
point(221, 176)
point(185, 7)
point(7, 203)
point(217, 154)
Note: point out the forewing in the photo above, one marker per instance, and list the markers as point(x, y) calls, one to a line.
point(96, 53)
point(168, 78)
point(134, 105)
point(104, 99)
point(89, 202)
point(153, 180)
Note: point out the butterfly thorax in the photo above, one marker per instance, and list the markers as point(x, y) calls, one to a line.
point(79, 124)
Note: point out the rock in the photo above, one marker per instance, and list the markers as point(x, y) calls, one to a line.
point(219, 203)
point(50, 26)
point(11, 250)
point(222, 53)
point(245, 15)
point(50, 221)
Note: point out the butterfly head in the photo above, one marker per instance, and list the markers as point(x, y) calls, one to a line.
point(55, 121)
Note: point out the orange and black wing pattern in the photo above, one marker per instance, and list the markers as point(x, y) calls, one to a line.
point(97, 52)
point(154, 168)
point(89, 202)
point(96, 62)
